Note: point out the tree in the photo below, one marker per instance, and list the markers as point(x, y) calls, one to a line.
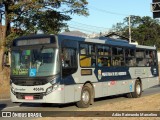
point(145, 30)
point(29, 16)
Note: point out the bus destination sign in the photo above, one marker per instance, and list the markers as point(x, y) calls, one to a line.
point(33, 41)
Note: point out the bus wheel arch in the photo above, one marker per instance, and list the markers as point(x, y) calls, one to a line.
point(137, 88)
point(86, 96)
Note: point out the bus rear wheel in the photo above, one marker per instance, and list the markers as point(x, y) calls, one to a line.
point(85, 97)
point(137, 90)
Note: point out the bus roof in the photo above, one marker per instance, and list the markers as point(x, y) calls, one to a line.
point(101, 40)
point(146, 47)
point(105, 40)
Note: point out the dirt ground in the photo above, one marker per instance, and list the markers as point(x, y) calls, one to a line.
point(147, 103)
point(5, 83)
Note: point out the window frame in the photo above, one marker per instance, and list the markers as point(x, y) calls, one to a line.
point(76, 63)
point(154, 59)
point(88, 55)
point(132, 52)
point(123, 56)
point(67, 70)
point(130, 57)
point(103, 55)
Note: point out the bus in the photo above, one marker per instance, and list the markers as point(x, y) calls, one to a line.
point(67, 69)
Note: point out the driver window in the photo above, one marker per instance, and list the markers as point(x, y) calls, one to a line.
point(69, 61)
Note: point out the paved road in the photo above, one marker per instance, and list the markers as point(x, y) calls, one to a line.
point(6, 105)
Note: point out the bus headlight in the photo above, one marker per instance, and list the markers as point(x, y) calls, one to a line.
point(13, 90)
point(51, 88)
point(54, 80)
point(55, 86)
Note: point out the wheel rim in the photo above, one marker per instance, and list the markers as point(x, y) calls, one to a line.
point(138, 89)
point(85, 97)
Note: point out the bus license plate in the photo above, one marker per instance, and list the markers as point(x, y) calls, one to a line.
point(28, 97)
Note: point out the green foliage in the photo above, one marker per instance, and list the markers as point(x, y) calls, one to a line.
point(30, 16)
point(145, 30)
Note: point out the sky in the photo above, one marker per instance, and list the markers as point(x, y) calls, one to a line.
point(103, 14)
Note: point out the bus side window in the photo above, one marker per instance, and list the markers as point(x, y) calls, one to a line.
point(104, 56)
point(130, 57)
point(140, 57)
point(117, 56)
point(83, 49)
point(69, 61)
point(154, 58)
point(87, 55)
point(150, 58)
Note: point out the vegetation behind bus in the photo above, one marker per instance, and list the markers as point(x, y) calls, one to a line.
point(28, 17)
point(145, 30)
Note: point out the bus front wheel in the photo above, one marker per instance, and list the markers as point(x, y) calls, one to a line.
point(85, 97)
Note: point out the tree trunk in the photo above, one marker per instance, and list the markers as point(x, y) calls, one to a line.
point(6, 32)
point(2, 35)
point(1, 59)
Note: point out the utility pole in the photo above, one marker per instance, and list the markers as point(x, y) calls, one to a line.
point(129, 25)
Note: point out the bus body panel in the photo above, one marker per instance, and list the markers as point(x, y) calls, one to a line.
point(106, 81)
point(70, 91)
point(98, 88)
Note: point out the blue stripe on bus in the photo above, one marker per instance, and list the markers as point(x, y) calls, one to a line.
point(113, 73)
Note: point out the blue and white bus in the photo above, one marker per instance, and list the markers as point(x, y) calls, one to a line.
point(64, 69)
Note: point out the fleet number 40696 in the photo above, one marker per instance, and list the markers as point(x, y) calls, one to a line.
point(38, 89)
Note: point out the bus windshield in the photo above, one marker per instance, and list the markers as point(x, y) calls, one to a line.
point(34, 62)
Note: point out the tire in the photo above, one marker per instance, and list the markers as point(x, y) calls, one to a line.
point(137, 90)
point(129, 95)
point(86, 96)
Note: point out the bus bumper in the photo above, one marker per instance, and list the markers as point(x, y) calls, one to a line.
point(56, 96)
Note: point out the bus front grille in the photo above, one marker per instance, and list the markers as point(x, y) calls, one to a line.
point(36, 96)
point(29, 83)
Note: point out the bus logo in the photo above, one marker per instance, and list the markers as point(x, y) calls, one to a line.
point(32, 72)
point(6, 114)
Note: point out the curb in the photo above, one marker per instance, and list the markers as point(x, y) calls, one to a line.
point(5, 99)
